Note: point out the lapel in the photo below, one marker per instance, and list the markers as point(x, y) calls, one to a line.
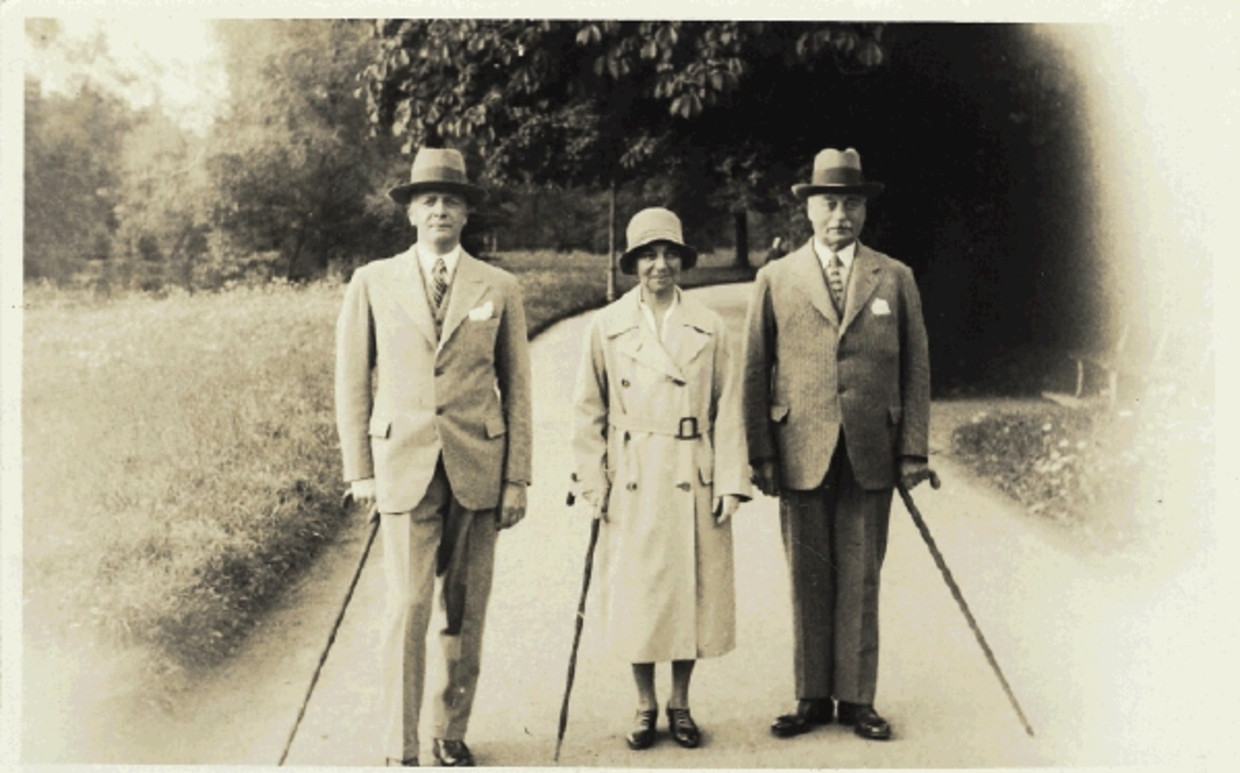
point(410, 291)
point(809, 278)
point(862, 282)
point(468, 287)
point(690, 332)
point(635, 339)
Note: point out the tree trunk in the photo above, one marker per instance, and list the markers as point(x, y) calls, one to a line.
point(611, 244)
point(741, 219)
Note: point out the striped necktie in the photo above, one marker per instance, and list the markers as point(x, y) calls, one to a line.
point(835, 279)
point(439, 281)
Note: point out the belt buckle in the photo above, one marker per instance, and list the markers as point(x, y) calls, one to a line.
point(693, 429)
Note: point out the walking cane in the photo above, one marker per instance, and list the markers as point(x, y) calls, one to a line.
point(331, 638)
point(964, 607)
point(581, 616)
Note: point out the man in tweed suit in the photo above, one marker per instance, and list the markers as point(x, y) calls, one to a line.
point(836, 402)
point(433, 409)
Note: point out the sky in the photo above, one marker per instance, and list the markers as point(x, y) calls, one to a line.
point(174, 59)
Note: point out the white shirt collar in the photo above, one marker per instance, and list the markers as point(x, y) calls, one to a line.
point(648, 313)
point(426, 259)
point(846, 255)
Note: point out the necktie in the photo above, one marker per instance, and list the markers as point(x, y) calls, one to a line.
point(835, 279)
point(439, 281)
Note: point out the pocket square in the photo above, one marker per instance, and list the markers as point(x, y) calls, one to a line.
point(485, 311)
point(879, 307)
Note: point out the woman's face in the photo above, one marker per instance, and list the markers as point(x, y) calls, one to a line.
point(658, 268)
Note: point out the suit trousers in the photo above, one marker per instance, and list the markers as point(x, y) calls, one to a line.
point(441, 538)
point(835, 537)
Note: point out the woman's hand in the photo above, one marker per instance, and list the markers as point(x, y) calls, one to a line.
point(725, 506)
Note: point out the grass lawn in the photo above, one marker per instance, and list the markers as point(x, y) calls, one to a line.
point(180, 456)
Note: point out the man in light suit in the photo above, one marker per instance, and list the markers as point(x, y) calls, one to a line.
point(433, 410)
point(836, 401)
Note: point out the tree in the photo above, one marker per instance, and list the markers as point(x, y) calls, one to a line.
point(290, 166)
point(606, 101)
point(70, 179)
point(163, 204)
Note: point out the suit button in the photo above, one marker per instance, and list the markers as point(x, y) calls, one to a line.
point(624, 382)
point(683, 486)
point(632, 486)
point(439, 410)
point(841, 389)
point(438, 371)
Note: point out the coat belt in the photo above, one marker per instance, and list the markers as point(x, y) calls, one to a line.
point(684, 428)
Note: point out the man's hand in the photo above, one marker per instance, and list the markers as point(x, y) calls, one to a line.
point(598, 502)
point(914, 470)
point(725, 506)
point(766, 477)
point(511, 505)
point(362, 493)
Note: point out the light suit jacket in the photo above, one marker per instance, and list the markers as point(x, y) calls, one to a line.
point(808, 372)
point(403, 396)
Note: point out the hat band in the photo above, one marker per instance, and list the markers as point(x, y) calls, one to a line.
point(838, 175)
point(438, 174)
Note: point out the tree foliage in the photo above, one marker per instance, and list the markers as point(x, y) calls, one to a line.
point(293, 172)
point(71, 176)
point(591, 101)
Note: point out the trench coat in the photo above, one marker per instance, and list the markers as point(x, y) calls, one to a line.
point(658, 431)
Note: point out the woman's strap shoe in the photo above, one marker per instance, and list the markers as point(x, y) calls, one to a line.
point(684, 729)
point(643, 732)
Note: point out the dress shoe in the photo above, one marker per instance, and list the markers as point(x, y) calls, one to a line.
point(408, 762)
point(643, 733)
point(452, 753)
point(865, 721)
point(809, 714)
point(684, 730)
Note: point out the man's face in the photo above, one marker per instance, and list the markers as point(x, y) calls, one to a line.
point(658, 268)
point(837, 219)
point(439, 217)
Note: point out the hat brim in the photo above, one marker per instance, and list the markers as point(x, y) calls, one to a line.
point(688, 255)
point(869, 190)
point(403, 194)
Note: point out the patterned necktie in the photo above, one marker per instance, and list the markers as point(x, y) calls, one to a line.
point(439, 282)
point(835, 279)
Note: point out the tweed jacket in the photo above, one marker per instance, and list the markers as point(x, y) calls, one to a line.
point(404, 396)
point(809, 373)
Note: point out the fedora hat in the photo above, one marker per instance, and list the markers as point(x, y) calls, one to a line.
point(837, 171)
point(651, 225)
point(439, 169)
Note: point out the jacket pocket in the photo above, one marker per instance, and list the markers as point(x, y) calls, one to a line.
point(380, 427)
point(779, 413)
point(895, 413)
point(495, 426)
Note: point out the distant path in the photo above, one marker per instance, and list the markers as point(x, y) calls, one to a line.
point(1093, 647)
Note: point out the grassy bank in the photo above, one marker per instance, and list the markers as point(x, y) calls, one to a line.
point(180, 455)
point(1115, 476)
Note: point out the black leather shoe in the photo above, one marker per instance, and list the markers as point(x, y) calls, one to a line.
point(451, 753)
point(809, 714)
point(643, 732)
point(865, 721)
point(684, 729)
point(408, 762)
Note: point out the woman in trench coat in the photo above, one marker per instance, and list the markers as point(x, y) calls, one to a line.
point(660, 455)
